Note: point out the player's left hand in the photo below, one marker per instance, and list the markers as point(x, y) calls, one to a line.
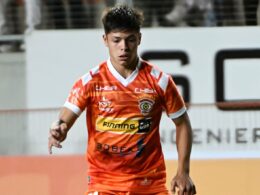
point(184, 184)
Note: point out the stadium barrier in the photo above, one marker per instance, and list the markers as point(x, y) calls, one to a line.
point(225, 157)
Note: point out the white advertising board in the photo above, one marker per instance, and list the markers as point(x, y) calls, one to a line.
point(209, 64)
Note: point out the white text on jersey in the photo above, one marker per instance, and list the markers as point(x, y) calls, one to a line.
point(144, 90)
point(106, 88)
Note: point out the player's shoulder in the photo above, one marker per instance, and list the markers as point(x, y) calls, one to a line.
point(93, 73)
point(153, 70)
point(160, 77)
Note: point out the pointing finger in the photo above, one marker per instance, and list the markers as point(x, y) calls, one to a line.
point(181, 190)
point(53, 142)
point(173, 186)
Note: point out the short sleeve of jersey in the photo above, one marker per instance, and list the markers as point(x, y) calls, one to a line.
point(174, 104)
point(77, 99)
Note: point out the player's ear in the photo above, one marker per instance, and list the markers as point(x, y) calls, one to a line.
point(140, 38)
point(105, 39)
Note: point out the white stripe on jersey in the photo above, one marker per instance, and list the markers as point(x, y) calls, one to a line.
point(155, 73)
point(86, 78)
point(73, 108)
point(95, 70)
point(178, 113)
point(163, 82)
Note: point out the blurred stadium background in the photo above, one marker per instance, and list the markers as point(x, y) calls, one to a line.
point(211, 47)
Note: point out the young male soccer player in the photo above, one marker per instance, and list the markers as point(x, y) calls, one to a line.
point(124, 98)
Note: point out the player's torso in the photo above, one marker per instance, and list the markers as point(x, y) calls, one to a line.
point(123, 122)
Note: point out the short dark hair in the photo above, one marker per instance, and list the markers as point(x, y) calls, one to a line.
point(122, 17)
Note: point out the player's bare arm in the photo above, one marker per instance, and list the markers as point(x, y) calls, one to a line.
point(59, 129)
point(182, 180)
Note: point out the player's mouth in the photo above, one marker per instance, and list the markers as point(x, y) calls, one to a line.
point(124, 57)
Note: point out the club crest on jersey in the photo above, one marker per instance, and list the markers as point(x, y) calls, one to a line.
point(146, 105)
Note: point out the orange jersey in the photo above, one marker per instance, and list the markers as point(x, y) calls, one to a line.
point(124, 151)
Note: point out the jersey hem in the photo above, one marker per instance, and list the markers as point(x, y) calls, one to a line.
point(144, 190)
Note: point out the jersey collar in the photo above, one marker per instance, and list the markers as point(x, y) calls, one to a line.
point(122, 80)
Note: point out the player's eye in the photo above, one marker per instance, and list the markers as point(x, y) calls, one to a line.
point(132, 39)
point(116, 40)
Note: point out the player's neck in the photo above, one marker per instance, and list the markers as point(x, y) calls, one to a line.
point(125, 70)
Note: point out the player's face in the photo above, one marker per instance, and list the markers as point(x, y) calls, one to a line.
point(122, 46)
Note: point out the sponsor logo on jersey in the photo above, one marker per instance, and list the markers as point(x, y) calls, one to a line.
point(146, 105)
point(123, 126)
point(144, 90)
point(125, 149)
point(105, 105)
point(106, 88)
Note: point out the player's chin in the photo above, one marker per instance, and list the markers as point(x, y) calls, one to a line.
point(123, 62)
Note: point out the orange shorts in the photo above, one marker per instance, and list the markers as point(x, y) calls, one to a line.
point(124, 193)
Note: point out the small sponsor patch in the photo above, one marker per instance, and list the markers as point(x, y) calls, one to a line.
point(146, 182)
point(144, 125)
point(105, 105)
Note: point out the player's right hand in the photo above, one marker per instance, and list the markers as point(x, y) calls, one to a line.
point(57, 134)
